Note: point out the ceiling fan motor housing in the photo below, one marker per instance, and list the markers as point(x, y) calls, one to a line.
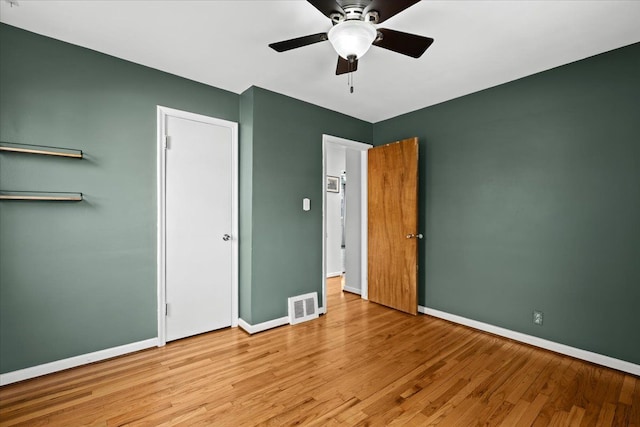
point(356, 12)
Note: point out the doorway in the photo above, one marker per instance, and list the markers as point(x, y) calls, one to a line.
point(197, 224)
point(344, 214)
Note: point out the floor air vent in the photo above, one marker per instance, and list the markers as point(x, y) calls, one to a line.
point(303, 308)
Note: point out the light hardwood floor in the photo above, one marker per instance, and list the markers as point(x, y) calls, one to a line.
point(361, 364)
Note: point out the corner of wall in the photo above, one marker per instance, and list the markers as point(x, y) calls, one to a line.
point(246, 203)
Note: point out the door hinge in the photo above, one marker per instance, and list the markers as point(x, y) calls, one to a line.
point(166, 309)
point(166, 142)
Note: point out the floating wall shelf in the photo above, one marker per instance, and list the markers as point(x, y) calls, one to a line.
point(41, 149)
point(45, 196)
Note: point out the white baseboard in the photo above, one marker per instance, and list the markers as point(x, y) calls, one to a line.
point(72, 362)
point(352, 290)
point(60, 365)
point(254, 329)
point(336, 274)
point(578, 353)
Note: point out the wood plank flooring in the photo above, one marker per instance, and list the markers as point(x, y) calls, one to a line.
point(361, 364)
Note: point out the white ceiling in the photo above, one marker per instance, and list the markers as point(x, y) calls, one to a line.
point(478, 44)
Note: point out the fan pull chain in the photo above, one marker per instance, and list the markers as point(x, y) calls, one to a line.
point(350, 82)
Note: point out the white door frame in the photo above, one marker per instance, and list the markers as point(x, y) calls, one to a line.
point(163, 113)
point(363, 148)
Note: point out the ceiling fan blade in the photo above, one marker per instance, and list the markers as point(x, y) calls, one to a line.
point(387, 8)
point(345, 66)
point(404, 43)
point(299, 42)
point(327, 7)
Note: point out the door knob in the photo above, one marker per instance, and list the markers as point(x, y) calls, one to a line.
point(226, 237)
point(412, 236)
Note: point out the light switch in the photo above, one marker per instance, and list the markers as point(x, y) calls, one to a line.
point(306, 204)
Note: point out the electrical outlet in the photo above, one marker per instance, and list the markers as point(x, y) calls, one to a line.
point(537, 317)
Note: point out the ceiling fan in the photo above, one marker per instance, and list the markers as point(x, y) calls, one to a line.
point(353, 31)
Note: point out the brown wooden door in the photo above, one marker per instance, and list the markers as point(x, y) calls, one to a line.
point(393, 225)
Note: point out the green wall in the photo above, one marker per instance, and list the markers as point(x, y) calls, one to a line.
point(286, 164)
point(530, 199)
point(81, 277)
point(529, 194)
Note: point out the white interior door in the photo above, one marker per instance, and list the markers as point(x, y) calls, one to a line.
point(353, 222)
point(198, 227)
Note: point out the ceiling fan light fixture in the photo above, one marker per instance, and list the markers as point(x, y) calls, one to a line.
point(352, 38)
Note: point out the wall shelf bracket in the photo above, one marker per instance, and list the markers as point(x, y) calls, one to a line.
point(44, 196)
point(41, 149)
